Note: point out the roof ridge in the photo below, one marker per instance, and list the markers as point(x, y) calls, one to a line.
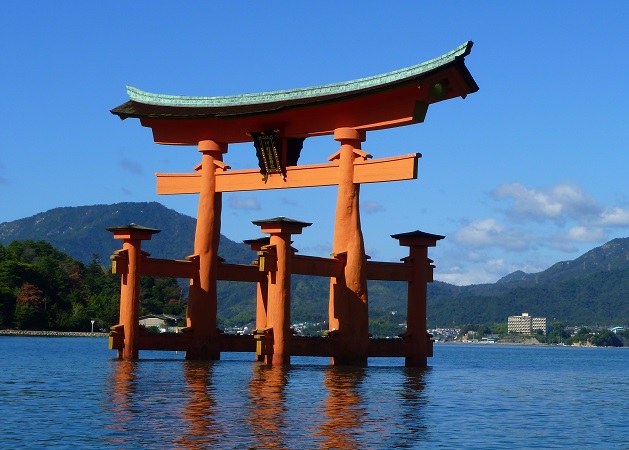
point(148, 98)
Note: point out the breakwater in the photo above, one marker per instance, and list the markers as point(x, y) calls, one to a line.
point(51, 333)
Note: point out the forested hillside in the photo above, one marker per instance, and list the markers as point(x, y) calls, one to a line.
point(592, 289)
point(81, 231)
point(42, 288)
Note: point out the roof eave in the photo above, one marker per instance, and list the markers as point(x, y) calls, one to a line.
point(182, 107)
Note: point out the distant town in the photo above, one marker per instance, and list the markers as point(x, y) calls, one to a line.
point(523, 329)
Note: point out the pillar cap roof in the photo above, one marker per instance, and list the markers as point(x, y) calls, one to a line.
point(262, 241)
point(417, 234)
point(281, 220)
point(133, 227)
point(417, 238)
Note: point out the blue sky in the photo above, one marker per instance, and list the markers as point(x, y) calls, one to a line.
point(529, 171)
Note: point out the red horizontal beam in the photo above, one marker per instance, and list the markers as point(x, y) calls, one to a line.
point(397, 168)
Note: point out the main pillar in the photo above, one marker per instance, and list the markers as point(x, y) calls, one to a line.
point(416, 336)
point(279, 284)
point(202, 299)
point(132, 236)
point(348, 310)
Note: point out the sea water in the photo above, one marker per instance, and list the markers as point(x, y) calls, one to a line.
point(73, 393)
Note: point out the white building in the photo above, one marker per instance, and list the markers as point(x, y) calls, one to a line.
point(526, 324)
point(163, 322)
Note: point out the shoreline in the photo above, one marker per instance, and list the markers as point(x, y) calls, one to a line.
point(96, 334)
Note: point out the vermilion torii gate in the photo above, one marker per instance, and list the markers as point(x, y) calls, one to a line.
point(278, 123)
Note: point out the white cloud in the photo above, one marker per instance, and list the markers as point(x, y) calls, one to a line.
point(488, 272)
point(247, 203)
point(562, 243)
point(587, 234)
point(614, 217)
point(558, 203)
point(536, 223)
point(491, 233)
point(562, 204)
point(487, 266)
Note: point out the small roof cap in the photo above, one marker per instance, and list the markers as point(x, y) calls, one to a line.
point(262, 241)
point(281, 220)
point(133, 227)
point(417, 235)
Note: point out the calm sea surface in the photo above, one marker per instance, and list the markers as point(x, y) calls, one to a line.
point(71, 393)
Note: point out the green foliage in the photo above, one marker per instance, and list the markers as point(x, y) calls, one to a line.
point(599, 338)
point(606, 338)
point(591, 297)
point(582, 336)
point(42, 288)
point(315, 329)
point(556, 333)
point(175, 307)
point(80, 231)
point(593, 289)
point(30, 310)
point(380, 328)
point(478, 331)
point(156, 293)
point(500, 329)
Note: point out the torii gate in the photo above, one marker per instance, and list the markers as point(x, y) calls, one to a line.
point(278, 123)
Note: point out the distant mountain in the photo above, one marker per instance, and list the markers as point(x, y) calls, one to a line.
point(592, 289)
point(610, 256)
point(81, 231)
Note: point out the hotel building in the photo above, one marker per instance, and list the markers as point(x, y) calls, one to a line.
point(526, 324)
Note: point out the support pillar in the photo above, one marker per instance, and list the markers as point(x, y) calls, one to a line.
point(132, 236)
point(279, 284)
point(416, 337)
point(202, 300)
point(348, 308)
point(262, 290)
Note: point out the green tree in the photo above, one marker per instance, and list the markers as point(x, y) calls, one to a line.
point(30, 308)
point(174, 307)
point(156, 293)
point(606, 338)
point(557, 333)
point(43, 288)
point(380, 328)
point(7, 305)
point(500, 329)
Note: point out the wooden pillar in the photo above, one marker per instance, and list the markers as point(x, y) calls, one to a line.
point(279, 284)
point(348, 307)
point(417, 353)
point(202, 300)
point(416, 336)
point(132, 236)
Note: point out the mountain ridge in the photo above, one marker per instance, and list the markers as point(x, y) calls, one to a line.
point(67, 229)
point(592, 287)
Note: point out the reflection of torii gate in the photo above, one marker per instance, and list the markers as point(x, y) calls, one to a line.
point(277, 123)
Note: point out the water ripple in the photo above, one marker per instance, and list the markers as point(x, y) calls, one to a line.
point(62, 392)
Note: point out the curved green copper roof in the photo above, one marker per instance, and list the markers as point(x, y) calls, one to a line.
point(148, 98)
